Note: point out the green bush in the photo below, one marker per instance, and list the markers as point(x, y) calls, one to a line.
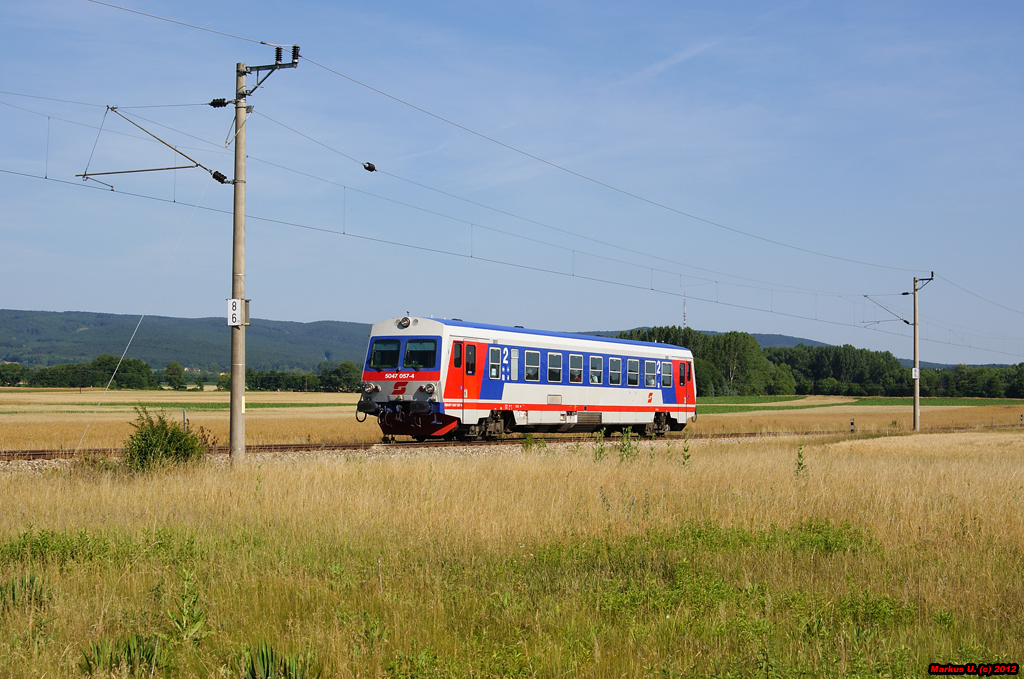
point(159, 441)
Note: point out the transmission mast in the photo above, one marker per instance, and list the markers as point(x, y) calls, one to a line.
point(918, 284)
point(238, 305)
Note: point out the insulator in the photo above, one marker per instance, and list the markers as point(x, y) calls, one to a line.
point(295, 54)
point(219, 103)
point(220, 177)
point(277, 55)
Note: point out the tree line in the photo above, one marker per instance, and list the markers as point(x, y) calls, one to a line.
point(329, 376)
point(132, 374)
point(136, 374)
point(733, 363)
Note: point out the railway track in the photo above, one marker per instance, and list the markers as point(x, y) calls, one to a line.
point(64, 454)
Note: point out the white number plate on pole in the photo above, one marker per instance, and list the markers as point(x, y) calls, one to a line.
point(915, 373)
point(236, 313)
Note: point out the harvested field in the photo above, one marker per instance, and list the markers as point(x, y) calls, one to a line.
point(868, 557)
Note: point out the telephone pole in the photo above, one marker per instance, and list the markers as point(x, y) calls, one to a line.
point(917, 354)
point(238, 305)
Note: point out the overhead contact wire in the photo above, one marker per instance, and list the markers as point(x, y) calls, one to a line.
point(525, 153)
point(524, 266)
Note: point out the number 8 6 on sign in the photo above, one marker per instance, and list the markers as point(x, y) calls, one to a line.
point(238, 312)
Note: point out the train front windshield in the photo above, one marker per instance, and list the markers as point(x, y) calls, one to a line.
point(420, 354)
point(384, 354)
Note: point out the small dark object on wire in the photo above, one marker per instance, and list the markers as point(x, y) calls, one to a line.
point(370, 167)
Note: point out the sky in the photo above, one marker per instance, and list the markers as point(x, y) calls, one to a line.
point(768, 167)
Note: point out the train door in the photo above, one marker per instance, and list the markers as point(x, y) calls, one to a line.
point(455, 383)
point(685, 385)
point(691, 384)
point(474, 367)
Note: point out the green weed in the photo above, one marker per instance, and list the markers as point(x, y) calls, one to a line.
point(134, 654)
point(188, 621)
point(265, 662)
point(599, 445)
point(27, 591)
point(60, 548)
point(628, 448)
point(529, 443)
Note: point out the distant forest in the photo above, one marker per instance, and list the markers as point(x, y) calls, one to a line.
point(733, 363)
point(48, 338)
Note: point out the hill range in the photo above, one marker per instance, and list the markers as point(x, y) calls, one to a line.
point(44, 338)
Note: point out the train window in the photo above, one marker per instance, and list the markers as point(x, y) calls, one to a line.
point(384, 354)
point(682, 373)
point(596, 369)
point(666, 374)
point(494, 363)
point(420, 354)
point(632, 372)
point(470, 359)
point(554, 367)
point(514, 370)
point(532, 366)
point(689, 371)
point(575, 369)
point(457, 351)
point(650, 373)
point(615, 371)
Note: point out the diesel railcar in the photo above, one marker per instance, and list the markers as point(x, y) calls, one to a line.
point(430, 378)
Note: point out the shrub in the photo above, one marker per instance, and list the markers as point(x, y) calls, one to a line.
point(160, 441)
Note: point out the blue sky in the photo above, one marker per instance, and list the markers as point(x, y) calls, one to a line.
point(829, 150)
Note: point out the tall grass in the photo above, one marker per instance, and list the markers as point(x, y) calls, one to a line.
point(879, 557)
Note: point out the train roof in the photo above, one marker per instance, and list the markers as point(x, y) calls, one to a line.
point(550, 333)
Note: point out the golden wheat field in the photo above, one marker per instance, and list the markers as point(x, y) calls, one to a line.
point(791, 557)
point(61, 418)
point(867, 418)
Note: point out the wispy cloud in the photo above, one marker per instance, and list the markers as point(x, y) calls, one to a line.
point(679, 57)
point(692, 51)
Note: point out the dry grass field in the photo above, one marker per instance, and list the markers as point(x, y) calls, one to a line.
point(845, 557)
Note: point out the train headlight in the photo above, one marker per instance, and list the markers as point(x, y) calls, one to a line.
point(428, 388)
point(369, 388)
